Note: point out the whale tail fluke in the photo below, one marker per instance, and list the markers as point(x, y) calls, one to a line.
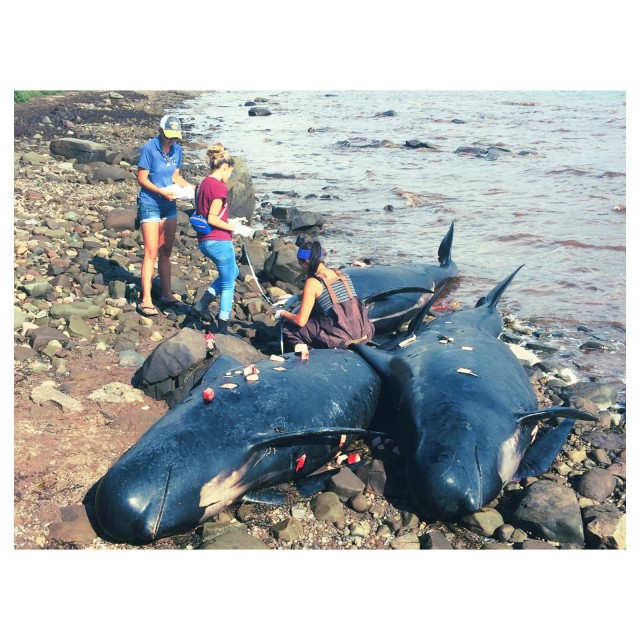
point(376, 357)
point(415, 323)
point(444, 250)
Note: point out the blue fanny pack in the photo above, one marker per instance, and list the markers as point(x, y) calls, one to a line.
point(200, 224)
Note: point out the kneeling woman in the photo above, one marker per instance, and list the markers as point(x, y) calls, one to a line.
point(330, 315)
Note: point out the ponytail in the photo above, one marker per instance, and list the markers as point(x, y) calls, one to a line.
point(217, 156)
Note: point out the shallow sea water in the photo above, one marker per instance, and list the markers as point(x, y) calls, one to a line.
point(552, 197)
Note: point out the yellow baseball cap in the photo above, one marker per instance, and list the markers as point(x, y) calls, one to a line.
point(171, 127)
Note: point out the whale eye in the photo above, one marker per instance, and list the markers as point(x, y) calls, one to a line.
point(279, 429)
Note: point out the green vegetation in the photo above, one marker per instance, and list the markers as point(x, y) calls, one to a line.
point(25, 96)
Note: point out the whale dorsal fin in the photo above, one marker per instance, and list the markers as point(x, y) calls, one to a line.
point(444, 250)
point(492, 298)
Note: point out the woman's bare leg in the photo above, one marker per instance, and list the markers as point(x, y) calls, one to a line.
point(165, 246)
point(150, 238)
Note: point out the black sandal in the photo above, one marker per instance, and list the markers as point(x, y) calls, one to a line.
point(173, 303)
point(148, 312)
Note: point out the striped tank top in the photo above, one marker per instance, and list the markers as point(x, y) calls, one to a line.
point(341, 290)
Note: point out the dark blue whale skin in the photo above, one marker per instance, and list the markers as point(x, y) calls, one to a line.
point(202, 456)
point(462, 437)
point(394, 294)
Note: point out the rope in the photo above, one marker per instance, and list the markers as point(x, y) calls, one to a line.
point(253, 273)
point(264, 295)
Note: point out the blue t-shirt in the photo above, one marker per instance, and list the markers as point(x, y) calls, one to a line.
point(161, 168)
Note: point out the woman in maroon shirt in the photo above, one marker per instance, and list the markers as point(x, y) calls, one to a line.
point(211, 203)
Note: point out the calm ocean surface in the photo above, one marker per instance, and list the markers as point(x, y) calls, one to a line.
point(560, 209)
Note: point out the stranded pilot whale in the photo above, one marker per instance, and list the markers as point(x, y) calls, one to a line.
point(394, 294)
point(464, 408)
point(202, 456)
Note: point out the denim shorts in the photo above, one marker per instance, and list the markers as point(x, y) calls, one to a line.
point(152, 212)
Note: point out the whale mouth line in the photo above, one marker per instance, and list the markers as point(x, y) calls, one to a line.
point(479, 476)
point(156, 526)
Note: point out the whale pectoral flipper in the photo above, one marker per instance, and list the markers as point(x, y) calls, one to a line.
point(540, 455)
point(555, 412)
point(299, 488)
point(295, 437)
point(421, 315)
point(394, 291)
point(266, 495)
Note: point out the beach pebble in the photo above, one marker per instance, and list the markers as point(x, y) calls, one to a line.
point(597, 484)
point(550, 510)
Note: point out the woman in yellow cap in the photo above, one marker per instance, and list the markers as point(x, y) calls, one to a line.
point(158, 170)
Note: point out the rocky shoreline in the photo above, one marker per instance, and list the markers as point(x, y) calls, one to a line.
point(78, 342)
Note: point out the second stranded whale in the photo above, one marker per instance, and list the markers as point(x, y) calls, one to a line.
point(464, 408)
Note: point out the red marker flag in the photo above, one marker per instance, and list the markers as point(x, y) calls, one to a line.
point(208, 394)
